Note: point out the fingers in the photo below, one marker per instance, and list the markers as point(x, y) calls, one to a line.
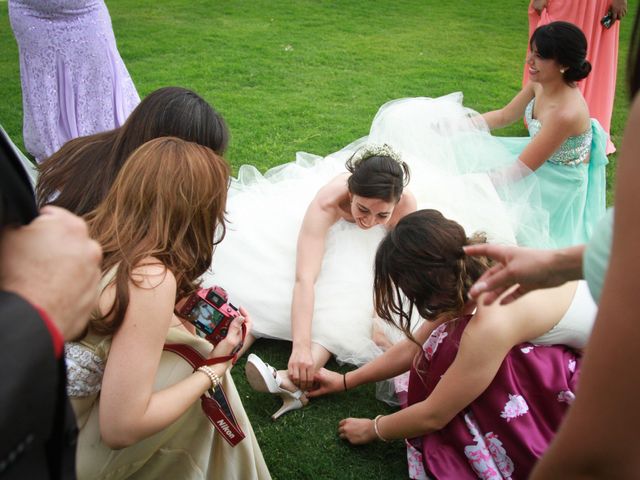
point(306, 378)
point(342, 428)
point(496, 280)
point(495, 252)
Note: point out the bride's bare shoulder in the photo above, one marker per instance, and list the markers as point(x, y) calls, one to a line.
point(333, 193)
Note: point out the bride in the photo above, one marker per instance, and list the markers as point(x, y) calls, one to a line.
point(301, 238)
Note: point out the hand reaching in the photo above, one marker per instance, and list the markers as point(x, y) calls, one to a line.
point(325, 382)
point(301, 368)
point(530, 268)
point(358, 431)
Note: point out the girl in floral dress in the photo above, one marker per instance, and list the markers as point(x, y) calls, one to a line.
point(484, 397)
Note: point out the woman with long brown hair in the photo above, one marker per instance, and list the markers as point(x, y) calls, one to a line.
point(479, 381)
point(157, 232)
point(79, 175)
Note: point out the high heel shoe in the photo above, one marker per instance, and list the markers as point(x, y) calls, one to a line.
point(264, 378)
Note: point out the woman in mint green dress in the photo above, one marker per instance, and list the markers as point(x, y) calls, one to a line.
point(566, 149)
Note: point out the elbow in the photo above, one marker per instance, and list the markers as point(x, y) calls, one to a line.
point(434, 421)
point(117, 437)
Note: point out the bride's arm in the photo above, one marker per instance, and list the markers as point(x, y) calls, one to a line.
point(511, 112)
point(309, 254)
point(130, 410)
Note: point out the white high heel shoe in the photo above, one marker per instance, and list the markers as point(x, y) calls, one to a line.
point(264, 378)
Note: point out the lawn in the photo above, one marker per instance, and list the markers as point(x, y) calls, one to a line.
point(310, 75)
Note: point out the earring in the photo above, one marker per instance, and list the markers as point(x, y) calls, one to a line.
point(562, 70)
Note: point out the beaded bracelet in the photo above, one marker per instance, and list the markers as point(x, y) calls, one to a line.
point(213, 376)
point(375, 429)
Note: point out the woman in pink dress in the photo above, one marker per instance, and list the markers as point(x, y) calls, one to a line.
point(600, 87)
point(484, 397)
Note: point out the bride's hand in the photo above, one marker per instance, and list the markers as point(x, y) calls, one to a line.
point(301, 368)
point(325, 382)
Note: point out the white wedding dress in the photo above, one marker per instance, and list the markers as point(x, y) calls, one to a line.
point(442, 142)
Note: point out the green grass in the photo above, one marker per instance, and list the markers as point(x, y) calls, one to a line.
point(309, 75)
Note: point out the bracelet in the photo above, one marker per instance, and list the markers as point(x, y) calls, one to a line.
point(375, 429)
point(213, 376)
point(344, 381)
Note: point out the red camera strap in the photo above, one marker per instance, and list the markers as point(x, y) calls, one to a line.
point(216, 407)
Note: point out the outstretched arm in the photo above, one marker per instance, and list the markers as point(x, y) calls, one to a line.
point(511, 112)
point(530, 268)
point(130, 409)
point(471, 372)
point(311, 243)
point(395, 361)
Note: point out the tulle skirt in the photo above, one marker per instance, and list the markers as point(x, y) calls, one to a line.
point(444, 145)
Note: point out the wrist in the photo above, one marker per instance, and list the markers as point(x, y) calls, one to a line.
point(567, 262)
point(376, 429)
point(212, 374)
point(304, 344)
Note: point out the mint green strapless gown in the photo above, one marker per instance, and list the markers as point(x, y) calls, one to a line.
point(572, 191)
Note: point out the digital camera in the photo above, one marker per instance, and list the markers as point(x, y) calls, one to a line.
point(211, 313)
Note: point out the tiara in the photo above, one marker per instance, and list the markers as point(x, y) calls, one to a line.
point(373, 150)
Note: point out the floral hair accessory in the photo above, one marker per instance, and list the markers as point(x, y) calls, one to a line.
point(373, 150)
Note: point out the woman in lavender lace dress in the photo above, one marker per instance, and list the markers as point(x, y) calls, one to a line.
point(74, 82)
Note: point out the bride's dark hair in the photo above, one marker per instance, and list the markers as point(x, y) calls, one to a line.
point(377, 176)
point(422, 260)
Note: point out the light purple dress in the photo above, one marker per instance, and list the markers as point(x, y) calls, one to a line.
point(74, 82)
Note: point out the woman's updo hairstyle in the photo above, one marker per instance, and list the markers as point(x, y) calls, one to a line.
point(377, 172)
point(566, 44)
point(422, 259)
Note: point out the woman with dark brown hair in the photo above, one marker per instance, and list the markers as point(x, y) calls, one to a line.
point(137, 406)
point(482, 394)
point(79, 175)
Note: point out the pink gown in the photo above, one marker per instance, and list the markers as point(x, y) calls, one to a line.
point(508, 427)
point(599, 88)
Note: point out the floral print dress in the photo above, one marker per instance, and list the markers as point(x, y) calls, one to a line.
point(503, 432)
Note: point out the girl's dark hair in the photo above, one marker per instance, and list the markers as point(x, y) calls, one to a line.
point(633, 61)
point(379, 177)
point(422, 259)
point(566, 44)
point(79, 175)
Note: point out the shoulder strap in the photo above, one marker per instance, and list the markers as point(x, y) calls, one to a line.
point(215, 406)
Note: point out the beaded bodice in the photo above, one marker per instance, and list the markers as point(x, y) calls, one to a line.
point(575, 149)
